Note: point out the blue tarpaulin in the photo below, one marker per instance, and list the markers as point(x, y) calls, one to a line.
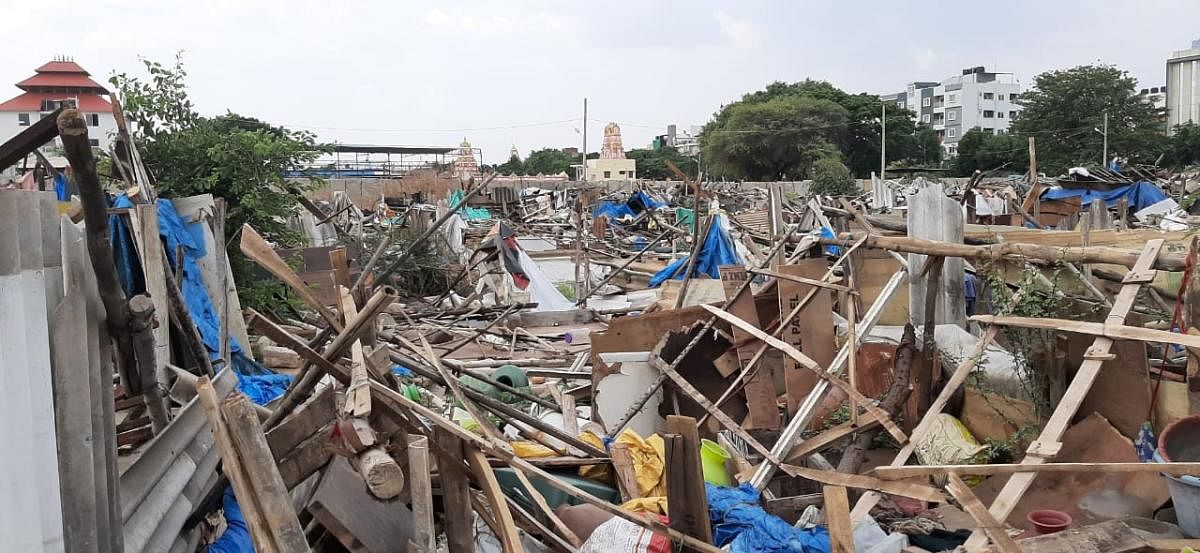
point(636, 204)
point(236, 538)
point(738, 521)
point(717, 250)
point(1139, 194)
point(468, 213)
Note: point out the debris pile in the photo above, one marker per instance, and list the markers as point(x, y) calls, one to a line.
point(990, 364)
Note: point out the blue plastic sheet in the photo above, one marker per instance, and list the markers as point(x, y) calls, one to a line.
point(129, 267)
point(60, 187)
point(717, 250)
point(236, 538)
point(1139, 194)
point(738, 521)
point(614, 210)
point(469, 213)
point(254, 380)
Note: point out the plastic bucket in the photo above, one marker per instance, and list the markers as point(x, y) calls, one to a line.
point(712, 459)
point(1178, 443)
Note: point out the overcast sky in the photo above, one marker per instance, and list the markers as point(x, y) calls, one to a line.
point(505, 73)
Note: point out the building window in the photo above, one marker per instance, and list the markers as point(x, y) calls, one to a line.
point(1012, 97)
point(900, 105)
point(608, 174)
point(988, 114)
point(999, 115)
point(951, 132)
point(927, 101)
point(23, 119)
point(93, 119)
point(988, 96)
point(952, 98)
point(1012, 114)
point(989, 131)
point(952, 115)
point(925, 118)
point(95, 142)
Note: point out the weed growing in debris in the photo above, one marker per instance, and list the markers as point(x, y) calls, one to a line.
point(427, 272)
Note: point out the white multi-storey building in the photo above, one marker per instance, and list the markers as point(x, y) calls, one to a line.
point(1183, 87)
point(59, 83)
point(976, 99)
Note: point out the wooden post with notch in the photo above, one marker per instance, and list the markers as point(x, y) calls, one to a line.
point(687, 502)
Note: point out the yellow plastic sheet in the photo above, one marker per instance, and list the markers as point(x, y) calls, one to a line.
point(649, 468)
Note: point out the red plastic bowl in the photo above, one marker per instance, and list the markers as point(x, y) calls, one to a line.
point(1049, 521)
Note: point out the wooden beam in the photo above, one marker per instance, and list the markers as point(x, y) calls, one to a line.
point(509, 538)
point(257, 249)
point(971, 504)
point(456, 497)
point(804, 360)
point(1165, 261)
point(687, 502)
point(837, 519)
point(262, 474)
point(803, 280)
point(826, 438)
point(1063, 414)
point(358, 395)
point(29, 140)
point(622, 463)
point(911, 471)
point(1115, 331)
point(540, 501)
point(862, 482)
point(252, 511)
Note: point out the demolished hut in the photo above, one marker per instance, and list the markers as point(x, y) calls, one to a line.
point(999, 365)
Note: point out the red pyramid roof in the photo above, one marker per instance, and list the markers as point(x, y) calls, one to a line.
point(57, 66)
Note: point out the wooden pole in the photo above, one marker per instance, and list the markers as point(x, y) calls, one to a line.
point(258, 466)
point(264, 542)
point(837, 519)
point(73, 131)
point(1165, 261)
point(687, 501)
point(141, 310)
point(456, 498)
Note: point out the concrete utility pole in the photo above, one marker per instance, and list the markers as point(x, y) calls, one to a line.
point(1105, 164)
point(583, 154)
point(882, 142)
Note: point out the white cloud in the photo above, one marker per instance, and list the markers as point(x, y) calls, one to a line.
point(742, 33)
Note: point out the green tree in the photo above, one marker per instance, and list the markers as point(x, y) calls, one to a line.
point(1184, 147)
point(859, 140)
point(652, 164)
point(775, 139)
point(1065, 106)
point(927, 148)
point(978, 150)
point(549, 161)
point(239, 159)
point(514, 166)
point(832, 178)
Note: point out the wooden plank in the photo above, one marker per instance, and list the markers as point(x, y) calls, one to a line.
point(971, 504)
point(861, 482)
point(306, 458)
point(811, 331)
point(258, 250)
point(1052, 432)
point(456, 498)
point(622, 464)
point(540, 501)
point(825, 439)
point(837, 519)
point(252, 510)
point(358, 395)
point(1116, 331)
point(760, 389)
point(509, 538)
point(306, 421)
point(341, 268)
point(421, 493)
point(910, 471)
point(687, 502)
point(360, 522)
point(145, 219)
point(808, 363)
point(262, 474)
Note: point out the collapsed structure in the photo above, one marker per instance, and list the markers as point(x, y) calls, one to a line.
point(711, 365)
